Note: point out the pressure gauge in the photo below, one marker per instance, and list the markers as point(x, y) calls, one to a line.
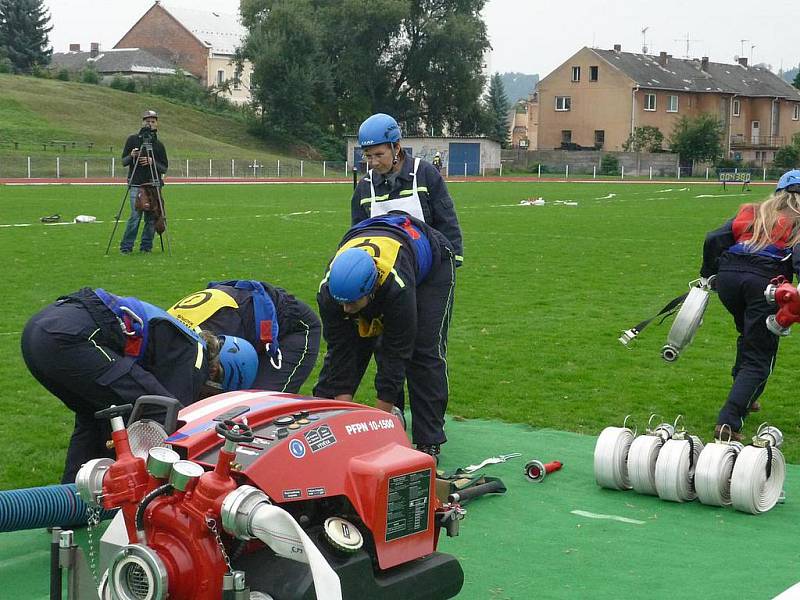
point(160, 461)
point(183, 472)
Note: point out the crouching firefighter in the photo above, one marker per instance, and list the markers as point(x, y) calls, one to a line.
point(284, 331)
point(92, 349)
point(745, 254)
point(388, 291)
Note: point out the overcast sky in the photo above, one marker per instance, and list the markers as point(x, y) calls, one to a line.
point(534, 36)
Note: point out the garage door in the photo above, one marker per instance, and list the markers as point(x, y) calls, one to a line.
point(464, 158)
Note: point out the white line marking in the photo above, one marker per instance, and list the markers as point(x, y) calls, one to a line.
point(607, 197)
point(591, 515)
point(719, 195)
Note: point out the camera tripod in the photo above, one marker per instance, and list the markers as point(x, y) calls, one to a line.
point(145, 151)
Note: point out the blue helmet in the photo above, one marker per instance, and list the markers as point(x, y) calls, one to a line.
point(789, 179)
point(352, 276)
point(378, 129)
point(239, 363)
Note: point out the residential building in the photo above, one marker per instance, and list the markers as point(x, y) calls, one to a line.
point(202, 43)
point(597, 98)
point(126, 62)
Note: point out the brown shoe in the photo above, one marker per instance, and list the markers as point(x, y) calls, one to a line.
point(755, 406)
point(724, 433)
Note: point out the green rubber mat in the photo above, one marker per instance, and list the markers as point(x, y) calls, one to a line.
point(561, 538)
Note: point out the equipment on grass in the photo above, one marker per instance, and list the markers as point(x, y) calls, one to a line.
point(492, 485)
point(536, 470)
point(263, 486)
point(712, 475)
point(501, 458)
point(643, 454)
point(692, 306)
point(51, 219)
point(611, 457)
point(759, 473)
point(787, 297)
point(676, 463)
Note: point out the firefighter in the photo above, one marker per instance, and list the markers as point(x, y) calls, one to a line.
point(388, 292)
point(284, 330)
point(396, 181)
point(745, 254)
point(92, 349)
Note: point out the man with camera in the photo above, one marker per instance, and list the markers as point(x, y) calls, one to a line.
point(146, 159)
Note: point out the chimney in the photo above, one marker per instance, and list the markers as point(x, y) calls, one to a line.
point(617, 48)
point(704, 63)
point(743, 61)
point(662, 58)
point(74, 47)
point(95, 50)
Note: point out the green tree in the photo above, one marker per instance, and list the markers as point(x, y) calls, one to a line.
point(796, 82)
point(644, 139)
point(697, 138)
point(497, 108)
point(787, 157)
point(24, 25)
point(321, 67)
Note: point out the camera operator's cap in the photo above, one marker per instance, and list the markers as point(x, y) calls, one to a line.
point(790, 181)
point(149, 114)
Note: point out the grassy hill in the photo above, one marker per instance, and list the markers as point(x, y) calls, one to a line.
point(36, 111)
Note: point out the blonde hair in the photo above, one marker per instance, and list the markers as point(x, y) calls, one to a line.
point(772, 216)
point(212, 348)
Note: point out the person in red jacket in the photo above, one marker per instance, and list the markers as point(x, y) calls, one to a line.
point(743, 256)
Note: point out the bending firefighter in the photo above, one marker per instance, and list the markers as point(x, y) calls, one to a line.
point(92, 349)
point(284, 330)
point(388, 292)
point(745, 254)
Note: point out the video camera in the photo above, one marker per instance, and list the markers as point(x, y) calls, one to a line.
point(146, 138)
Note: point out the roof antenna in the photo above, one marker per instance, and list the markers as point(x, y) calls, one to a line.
point(688, 41)
point(644, 40)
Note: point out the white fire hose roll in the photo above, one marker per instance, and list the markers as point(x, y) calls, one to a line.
point(611, 456)
point(642, 458)
point(675, 469)
point(751, 490)
point(712, 476)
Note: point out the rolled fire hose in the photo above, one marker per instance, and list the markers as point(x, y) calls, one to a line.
point(48, 506)
point(642, 463)
point(686, 324)
point(754, 490)
point(675, 469)
point(712, 475)
point(611, 456)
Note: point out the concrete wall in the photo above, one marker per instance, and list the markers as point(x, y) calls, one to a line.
point(426, 147)
point(583, 162)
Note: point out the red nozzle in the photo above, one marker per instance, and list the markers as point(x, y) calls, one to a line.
point(536, 470)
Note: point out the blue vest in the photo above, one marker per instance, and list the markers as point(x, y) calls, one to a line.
point(411, 233)
point(266, 316)
point(136, 315)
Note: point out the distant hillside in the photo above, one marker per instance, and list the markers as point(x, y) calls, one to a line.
point(518, 86)
point(35, 111)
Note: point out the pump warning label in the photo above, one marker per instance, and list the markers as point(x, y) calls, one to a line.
point(408, 504)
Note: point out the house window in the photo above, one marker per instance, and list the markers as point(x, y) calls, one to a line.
point(592, 73)
point(576, 73)
point(566, 136)
point(599, 138)
point(649, 101)
point(672, 104)
point(563, 103)
point(736, 107)
point(796, 113)
point(220, 77)
point(237, 83)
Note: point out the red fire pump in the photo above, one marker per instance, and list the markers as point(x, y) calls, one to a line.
point(270, 495)
point(787, 298)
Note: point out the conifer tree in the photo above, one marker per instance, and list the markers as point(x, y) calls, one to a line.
point(24, 25)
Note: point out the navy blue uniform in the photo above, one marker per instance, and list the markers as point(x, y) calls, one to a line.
point(418, 189)
point(77, 350)
point(297, 327)
point(742, 277)
point(405, 326)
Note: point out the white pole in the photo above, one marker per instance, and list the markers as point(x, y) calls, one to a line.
point(566, 172)
point(706, 172)
point(501, 168)
point(594, 171)
point(233, 168)
point(187, 167)
point(323, 168)
point(651, 172)
point(58, 167)
point(765, 175)
point(86, 169)
point(540, 170)
point(279, 167)
point(483, 171)
point(679, 171)
point(29, 167)
point(301, 168)
point(622, 173)
point(113, 165)
point(465, 170)
point(345, 168)
point(209, 167)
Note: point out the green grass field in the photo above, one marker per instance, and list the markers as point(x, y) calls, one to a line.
point(543, 296)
